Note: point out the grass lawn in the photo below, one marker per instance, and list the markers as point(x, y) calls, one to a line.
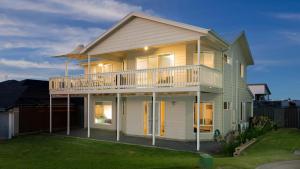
point(44, 151)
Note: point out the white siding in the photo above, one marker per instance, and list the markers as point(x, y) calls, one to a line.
point(139, 32)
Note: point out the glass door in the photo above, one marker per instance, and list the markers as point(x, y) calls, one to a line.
point(159, 118)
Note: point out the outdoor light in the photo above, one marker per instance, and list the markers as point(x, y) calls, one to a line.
point(146, 48)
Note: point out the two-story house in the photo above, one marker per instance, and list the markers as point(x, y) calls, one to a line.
point(152, 77)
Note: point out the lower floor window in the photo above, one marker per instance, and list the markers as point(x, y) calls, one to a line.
point(206, 117)
point(103, 113)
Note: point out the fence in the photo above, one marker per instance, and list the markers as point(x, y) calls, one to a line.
point(283, 117)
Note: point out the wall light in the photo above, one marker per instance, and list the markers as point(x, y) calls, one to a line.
point(146, 48)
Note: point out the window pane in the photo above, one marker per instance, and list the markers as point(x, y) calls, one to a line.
point(206, 117)
point(206, 58)
point(103, 113)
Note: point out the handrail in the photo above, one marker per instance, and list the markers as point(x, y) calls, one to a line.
point(178, 76)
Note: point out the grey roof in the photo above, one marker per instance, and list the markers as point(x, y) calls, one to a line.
point(14, 92)
point(259, 84)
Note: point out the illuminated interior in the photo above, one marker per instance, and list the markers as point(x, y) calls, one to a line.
point(103, 113)
point(206, 117)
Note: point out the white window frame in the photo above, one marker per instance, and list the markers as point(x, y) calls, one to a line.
point(228, 105)
point(213, 117)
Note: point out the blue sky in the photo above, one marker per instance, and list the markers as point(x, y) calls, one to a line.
point(33, 30)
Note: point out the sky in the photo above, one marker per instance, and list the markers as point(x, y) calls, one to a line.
point(31, 31)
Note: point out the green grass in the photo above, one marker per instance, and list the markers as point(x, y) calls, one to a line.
point(274, 146)
point(44, 151)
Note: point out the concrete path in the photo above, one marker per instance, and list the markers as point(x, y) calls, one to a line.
point(295, 164)
point(205, 146)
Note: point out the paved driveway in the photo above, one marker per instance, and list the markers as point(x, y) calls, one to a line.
point(295, 164)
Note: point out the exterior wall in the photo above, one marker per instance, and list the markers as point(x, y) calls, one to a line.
point(4, 125)
point(116, 66)
point(139, 32)
point(178, 115)
point(179, 51)
point(239, 90)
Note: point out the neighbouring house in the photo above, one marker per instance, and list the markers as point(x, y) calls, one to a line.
point(24, 108)
point(260, 91)
point(153, 77)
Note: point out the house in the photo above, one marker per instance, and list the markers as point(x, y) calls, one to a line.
point(260, 91)
point(24, 108)
point(157, 78)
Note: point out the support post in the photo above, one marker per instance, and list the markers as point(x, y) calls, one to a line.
point(118, 116)
point(198, 51)
point(88, 117)
point(89, 67)
point(50, 114)
point(198, 96)
point(68, 116)
point(153, 118)
point(198, 120)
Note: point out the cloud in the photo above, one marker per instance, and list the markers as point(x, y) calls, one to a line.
point(265, 65)
point(293, 36)
point(49, 39)
point(20, 75)
point(23, 64)
point(288, 16)
point(90, 10)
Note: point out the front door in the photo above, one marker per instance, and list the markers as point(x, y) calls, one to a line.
point(159, 118)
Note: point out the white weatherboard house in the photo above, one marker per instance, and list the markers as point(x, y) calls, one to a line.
point(152, 77)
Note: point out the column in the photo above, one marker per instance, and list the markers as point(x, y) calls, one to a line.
point(118, 116)
point(198, 120)
point(50, 114)
point(68, 115)
point(88, 116)
point(153, 118)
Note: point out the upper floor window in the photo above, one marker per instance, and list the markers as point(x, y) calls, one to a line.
point(155, 61)
point(227, 59)
point(242, 70)
point(227, 105)
point(207, 58)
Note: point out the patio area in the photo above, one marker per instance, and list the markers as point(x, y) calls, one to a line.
point(210, 147)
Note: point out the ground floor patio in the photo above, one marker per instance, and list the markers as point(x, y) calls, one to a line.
point(106, 135)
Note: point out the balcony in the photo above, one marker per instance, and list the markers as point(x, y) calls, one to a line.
point(179, 78)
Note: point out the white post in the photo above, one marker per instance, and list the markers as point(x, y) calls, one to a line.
point(9, 125)
point(89, 66)
point(67, 69)
point(50, 114)
point(198, 97)
point(88, 117)
point(68, 115)
point(153, 118)
point(198, 51)
point(118, 116)
point(198, 120)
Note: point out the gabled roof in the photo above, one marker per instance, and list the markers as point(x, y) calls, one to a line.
point(132, 15)
point(261, 84)
point(242, 39)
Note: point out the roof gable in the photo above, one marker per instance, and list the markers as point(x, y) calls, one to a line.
point(242, 40)
point(172, 25)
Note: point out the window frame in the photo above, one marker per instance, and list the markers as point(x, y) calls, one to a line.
point(213, 118)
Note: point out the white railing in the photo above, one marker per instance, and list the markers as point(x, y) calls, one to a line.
point(179, 76)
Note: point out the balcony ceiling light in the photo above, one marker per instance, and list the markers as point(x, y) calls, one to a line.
point(146, 48)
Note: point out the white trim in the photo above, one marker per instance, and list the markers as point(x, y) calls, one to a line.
point(88, 117)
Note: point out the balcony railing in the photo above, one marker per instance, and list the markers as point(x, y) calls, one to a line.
point(171, 77)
